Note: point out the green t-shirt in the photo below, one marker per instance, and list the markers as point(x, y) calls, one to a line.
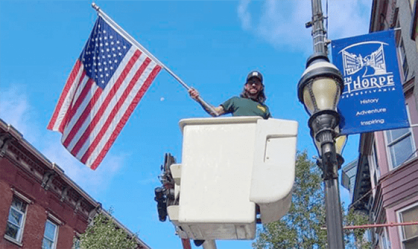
point(245, 107)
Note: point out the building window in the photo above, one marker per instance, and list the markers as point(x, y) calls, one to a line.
point(411, 4)
point(409, 234)
point(50, 235)
point(374, 166)
point(403, 60)
point(16, 220)
point(384, 241)
point(400, 144)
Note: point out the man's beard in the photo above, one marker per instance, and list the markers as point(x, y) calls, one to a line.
point(253, 96)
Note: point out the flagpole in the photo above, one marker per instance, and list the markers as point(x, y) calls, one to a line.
point(132, 40)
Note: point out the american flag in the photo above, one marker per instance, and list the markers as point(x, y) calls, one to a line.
point(108, 80)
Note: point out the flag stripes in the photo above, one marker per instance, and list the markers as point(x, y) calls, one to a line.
point(89, 115)
point(106, 143)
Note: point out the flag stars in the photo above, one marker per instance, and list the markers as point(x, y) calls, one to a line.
point(103, 54)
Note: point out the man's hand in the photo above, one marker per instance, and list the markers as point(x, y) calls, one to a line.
point(194, 94)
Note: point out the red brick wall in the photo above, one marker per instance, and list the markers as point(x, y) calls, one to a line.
point(34, 227)
point(42, 202)
point(65, 236)
point(6, 196)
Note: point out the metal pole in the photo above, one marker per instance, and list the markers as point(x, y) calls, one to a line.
point(209, 244)
point(330, 165)
point(334, 217)
point(318, 31)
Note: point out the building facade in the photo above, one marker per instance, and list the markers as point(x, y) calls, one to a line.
point(414, 26)
point(348, 176)
point(40, 207)
point(386, 186)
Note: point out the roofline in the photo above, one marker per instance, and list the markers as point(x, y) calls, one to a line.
point(374, 8)
point(51, 165)
point(108, 215)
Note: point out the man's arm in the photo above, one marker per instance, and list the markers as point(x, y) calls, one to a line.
point(194, 94)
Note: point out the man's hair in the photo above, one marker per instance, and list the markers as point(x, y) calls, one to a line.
point(261, 98)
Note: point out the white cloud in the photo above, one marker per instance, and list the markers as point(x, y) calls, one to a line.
point(282, 23)
point(15, 109)
point(349, 18)
point(244, 15)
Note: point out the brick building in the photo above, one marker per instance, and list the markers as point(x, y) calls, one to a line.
point(40, 207)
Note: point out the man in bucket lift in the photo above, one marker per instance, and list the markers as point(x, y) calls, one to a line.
point(249, 103)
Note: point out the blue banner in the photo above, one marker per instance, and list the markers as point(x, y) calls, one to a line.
point(372, 98)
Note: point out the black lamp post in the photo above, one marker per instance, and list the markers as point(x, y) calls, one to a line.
point(319, 90)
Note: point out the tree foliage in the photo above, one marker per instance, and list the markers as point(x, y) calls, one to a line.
point(354, 219)
point(103, 233)
point(301, 227)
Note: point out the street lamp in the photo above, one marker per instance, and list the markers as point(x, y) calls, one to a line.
point(319, 90)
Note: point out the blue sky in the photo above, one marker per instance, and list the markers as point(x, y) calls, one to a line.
point(211, 45)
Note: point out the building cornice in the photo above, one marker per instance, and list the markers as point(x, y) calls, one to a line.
point(50, 176)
